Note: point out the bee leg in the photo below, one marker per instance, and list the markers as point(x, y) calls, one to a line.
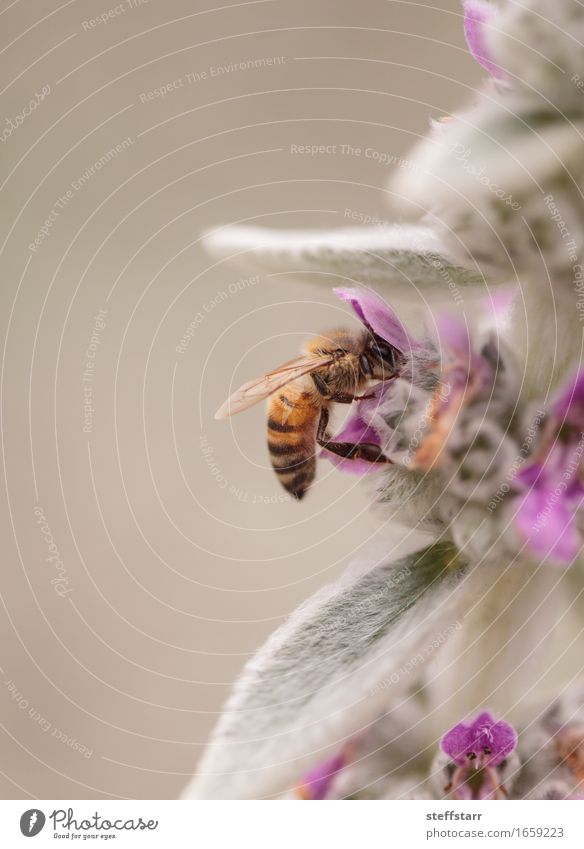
point(363, 451)
point(322, 426)
point(364, 397)
point(321, 385)
point(345, 398)
point(339, 397)
point(349, 450)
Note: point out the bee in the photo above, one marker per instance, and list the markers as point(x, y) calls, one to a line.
point(334, 368)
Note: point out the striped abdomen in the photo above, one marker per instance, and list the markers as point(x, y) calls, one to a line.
point(293, 416)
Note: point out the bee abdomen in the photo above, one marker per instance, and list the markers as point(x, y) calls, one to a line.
point(281, 427)
point(292, 443)
point(283, 449)
point(295, 470)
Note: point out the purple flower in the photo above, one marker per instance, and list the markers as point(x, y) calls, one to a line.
point(378, 317)
point(483, 742)
point(317, 781)
point(478, 16)
point(569, 406)
point(477, 749)
point(552, 492)
point(355, 431)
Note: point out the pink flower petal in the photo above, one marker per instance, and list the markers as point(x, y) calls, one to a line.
point(377, 316)
point(491, 742)
point(549, 527)
point(478, 15)
point(454, 336)
point(354, 431)
point(317, 781)
point(499, 302)
point(455, 743)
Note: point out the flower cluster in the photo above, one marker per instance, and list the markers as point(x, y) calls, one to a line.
point(482, 423)
point(482, 759)
point(454, 412)
point(477, 753)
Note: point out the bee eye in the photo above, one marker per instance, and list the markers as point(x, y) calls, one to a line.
point(384, 351)
point(365, 365)
point(472, 756)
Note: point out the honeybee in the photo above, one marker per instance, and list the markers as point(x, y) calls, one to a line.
point(334, 368)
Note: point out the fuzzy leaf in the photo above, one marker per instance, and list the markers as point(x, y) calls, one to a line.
point(404, 256)
point(505, 187)
point(539, 44)
point(330, 671)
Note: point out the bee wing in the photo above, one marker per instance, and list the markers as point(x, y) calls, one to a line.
point(256, 390)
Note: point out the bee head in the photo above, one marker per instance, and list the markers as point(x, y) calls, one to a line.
point(381, 356)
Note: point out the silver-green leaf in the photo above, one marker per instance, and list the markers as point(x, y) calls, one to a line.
point(403, 258)
point(329, 671)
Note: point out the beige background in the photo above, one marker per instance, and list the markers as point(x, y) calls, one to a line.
point(179, 553)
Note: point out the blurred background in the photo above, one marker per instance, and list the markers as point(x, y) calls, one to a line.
point(149, 549)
